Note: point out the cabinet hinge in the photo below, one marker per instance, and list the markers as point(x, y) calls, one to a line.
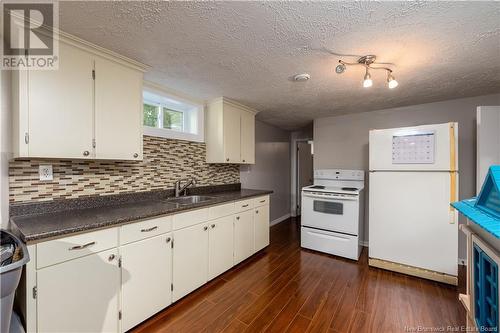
point(119, 315)
point(35, 292)
point(171, 287)
point(93, 143)
point(120, 262)
point(26, 138)
point(93, 74)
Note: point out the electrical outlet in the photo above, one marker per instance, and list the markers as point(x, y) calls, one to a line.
point(45, 172)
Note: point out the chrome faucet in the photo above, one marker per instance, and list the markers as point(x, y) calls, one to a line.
point(179, 189)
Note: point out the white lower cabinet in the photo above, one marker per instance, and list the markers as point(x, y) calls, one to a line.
point(79, 295)
point(190, 259)
point(146, 279)
point(261, 225)
point(220, 246)
point(243, 236)
point(77, 284)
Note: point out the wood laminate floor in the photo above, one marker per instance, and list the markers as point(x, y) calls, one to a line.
point(288, 289)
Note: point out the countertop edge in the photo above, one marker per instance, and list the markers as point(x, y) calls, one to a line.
point(30, 240)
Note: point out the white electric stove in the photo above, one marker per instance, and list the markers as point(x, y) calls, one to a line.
point(333, 213)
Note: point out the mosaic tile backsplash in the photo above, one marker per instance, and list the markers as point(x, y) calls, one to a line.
point(165, 161)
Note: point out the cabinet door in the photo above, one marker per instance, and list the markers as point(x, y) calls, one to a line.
point(61, 107)
point(243, 236)
point(220, 246)
point(231, 134)
point(146, 279)
point(190, 259)
point(118, 111)
point(80, 295)
point(247, 137)
point(261, 221)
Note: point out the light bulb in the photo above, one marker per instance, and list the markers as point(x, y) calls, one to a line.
point(367, 82)
point(391, 81)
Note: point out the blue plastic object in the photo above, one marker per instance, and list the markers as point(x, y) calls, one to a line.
point(485, 209)
point(485, 291)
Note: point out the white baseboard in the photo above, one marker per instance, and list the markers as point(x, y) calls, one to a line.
point(279, 219)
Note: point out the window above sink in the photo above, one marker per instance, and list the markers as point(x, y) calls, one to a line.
point(169, 115)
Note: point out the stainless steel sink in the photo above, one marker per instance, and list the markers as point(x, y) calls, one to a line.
point(190, 199)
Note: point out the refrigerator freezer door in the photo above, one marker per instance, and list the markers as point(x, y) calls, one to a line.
point(411, 222)
point(384, 144)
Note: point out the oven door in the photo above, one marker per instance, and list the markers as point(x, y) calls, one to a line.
point(328, 211)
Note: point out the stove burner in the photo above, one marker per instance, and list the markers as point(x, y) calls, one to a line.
point(320, 187)
point(349, 189)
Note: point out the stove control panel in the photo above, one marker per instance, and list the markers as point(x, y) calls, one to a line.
point(339, 174)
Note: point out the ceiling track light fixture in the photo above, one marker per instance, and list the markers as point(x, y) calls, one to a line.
point(369, 62)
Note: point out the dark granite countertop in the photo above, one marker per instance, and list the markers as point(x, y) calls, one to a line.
point(34, 228)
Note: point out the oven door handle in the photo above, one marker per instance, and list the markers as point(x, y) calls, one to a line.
point(330, 198)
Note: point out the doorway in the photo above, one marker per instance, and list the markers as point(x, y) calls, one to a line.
point(304, 167)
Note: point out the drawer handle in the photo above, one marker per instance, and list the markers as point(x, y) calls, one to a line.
point(263, 200)
point(257, 211)
point(169, 239)
point(205, 228)
point(79, 247)
point(245, 205)
point(213, 226)
point(237, 217)
point(111, 257)
point(149, 229)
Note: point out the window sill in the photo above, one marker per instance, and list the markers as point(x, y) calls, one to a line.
point(169, 134)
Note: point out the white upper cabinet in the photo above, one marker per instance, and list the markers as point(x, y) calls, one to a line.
point(88, 108)
point(230, 132)
point(247, 137)
point(60, 107)
point(118, 111)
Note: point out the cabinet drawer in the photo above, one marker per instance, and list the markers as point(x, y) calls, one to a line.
point(221, 211)
point(59, 250)
point(261, 201)
point(144, 229)
point(244, 205)
point(190, 218)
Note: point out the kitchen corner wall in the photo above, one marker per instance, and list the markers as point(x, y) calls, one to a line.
point(271, 170)
point(342, 141)
point(165, 161)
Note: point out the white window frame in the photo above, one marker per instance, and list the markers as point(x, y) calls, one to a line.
point(197, 105)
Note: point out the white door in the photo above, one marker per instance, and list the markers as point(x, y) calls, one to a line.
point(231, 134)
point(247, 137)
point(414, 143)
point(61, 107)
point(330, 211)
point(488, 141)
point(146, 279)
point(410, 220)
point(243, 236)
point(80, 295)
point(118, 111)
point(261, 225)
point(220, 250)
point(190, 259)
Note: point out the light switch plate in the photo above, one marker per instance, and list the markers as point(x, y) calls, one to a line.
point(45, 172)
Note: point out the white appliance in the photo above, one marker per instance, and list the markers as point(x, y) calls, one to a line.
point(332, 213)
point(413, 179)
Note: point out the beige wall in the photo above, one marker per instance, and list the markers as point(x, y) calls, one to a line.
point(342, 141)
point(272, 167)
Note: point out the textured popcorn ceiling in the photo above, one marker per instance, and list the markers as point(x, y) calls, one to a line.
point(249, 50)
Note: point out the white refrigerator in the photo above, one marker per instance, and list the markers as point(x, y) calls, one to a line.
point(413, 179)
